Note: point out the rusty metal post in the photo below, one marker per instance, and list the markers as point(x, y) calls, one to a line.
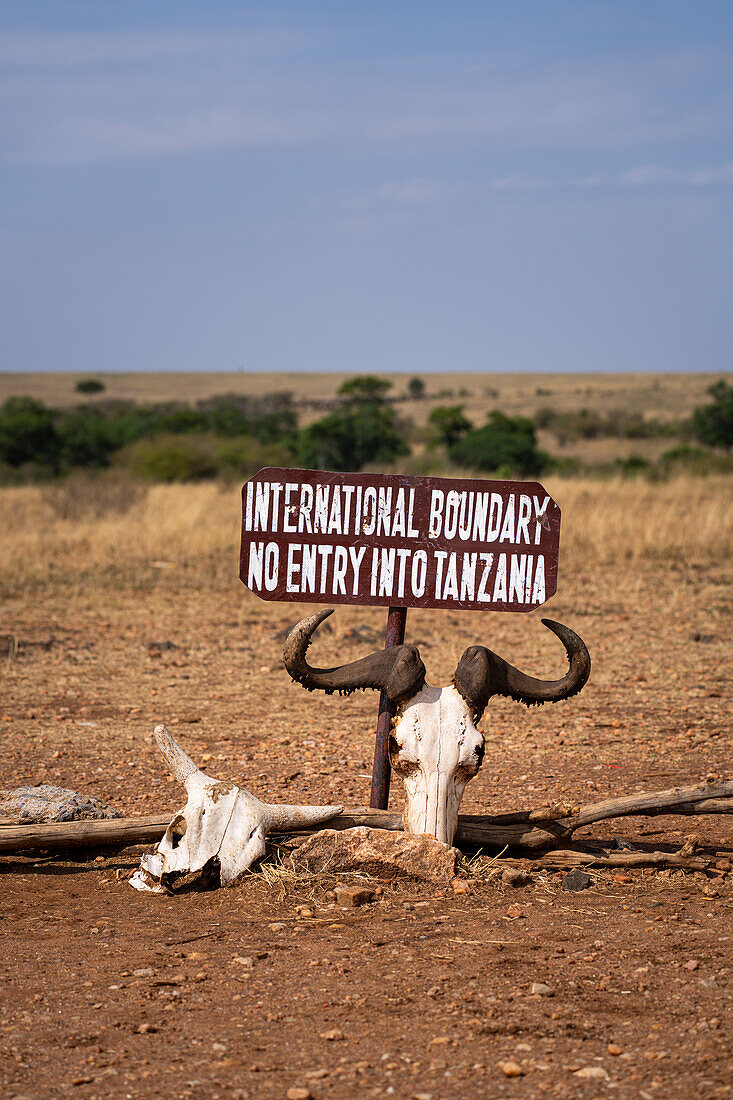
point(381, 769)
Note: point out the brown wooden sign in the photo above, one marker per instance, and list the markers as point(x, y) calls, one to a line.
point(393, 540)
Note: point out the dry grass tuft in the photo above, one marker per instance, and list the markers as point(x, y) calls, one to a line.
point(193, 530)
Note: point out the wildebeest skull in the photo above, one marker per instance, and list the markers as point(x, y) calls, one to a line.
point(221, 828)
point(435, 745)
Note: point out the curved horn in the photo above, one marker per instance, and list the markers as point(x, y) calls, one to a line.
point(482, 673)
point(180, 764)
point(398, 671)
point(283, 818)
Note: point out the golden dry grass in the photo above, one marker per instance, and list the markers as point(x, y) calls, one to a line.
point(193, 530)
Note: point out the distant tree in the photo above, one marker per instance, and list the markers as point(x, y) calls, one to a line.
point(365, 387)
point(448, 425)
point(89, 385)
point(506, 445)
point(356, 434)
point(713, 424)
point(416, 389)
point(28, 434)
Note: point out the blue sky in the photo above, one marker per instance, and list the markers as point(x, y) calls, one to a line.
point(505, 185)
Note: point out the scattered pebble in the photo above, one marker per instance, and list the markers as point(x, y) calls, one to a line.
point(244, 960)
point(511, 1069)
point(576, 880)
point(542, 990)
point(461, 886)
point(691, 964)
point(333, 1036)
point(350, 897)
point(515, 912)
point(595, 1072)
point(614, 1049)
point(147, 1029)
point(622, 878)
point(515, 877)
point(303, 912)
point(298, 1093)
point(278, 926)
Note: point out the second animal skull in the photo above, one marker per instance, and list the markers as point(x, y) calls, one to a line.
point(435, 745)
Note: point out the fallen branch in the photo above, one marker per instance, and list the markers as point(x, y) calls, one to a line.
point(525, 831)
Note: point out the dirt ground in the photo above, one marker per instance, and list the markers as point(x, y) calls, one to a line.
point(232, 993)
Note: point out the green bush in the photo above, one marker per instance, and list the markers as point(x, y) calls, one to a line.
point(506, 445)
point(239, 459)
point(173, 458)
point(633, 465)
point(448, 425)
point(416, 389)
point(28, 435)
point(713, 423)
point(693, 460)
point(201, 457)
point(89, 437)
point(89, 385)
point(589, 424)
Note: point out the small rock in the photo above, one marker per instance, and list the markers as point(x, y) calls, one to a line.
point(147, 1029)
point(278, 926)
point(515, 912)
point(303, 912)
point(333, 1036)
point(515, 877)
point(542, 990)
point(144, 972)
point(316, 1074)
point(622, 878)
point(511, 1069)
point(298, 1093)
point(614, 1049)
point(461, 886)
point(351, 897)
point(576, 880)
point(244, 960)
point(691, 964)
point(723, 864)
point(593, 1072)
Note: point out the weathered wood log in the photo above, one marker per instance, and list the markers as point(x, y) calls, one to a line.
point(525, 831)
point(567, 860)
point(64, 835)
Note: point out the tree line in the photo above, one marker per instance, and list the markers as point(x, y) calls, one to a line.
point(233, 436)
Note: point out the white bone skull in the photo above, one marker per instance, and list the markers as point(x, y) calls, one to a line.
point(221, 826)
point(435, 746)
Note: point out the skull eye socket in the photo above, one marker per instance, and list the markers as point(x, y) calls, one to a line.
point(177, 831)
point(480, 750)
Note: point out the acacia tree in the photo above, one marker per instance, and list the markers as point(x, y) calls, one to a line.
point(713, 424)
point(364, 430)
point(448, 425)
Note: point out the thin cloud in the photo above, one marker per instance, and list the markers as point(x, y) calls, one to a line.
point(414, 192)
point(79, 97)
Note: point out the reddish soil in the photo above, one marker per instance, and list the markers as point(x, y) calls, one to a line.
point(107, 992)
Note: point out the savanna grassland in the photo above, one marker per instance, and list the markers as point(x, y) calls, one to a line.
point(121, 608)
point(664, 398)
